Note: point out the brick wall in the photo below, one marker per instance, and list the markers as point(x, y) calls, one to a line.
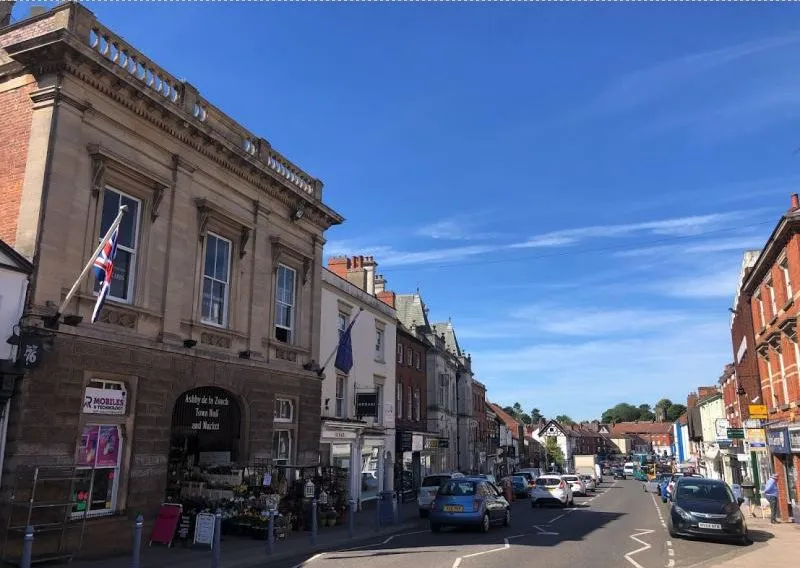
point(15, 126)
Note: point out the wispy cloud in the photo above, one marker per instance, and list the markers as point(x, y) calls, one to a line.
point(638, 368)
point(658, 81)
point(457, 228)
point(717, 282)
point(680, 226)
point(710, 246)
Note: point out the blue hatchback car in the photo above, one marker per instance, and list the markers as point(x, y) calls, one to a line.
point(466, 501)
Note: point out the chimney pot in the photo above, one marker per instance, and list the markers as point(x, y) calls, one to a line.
point(795, 202)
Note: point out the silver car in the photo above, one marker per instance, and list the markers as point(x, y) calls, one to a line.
point(551, 489)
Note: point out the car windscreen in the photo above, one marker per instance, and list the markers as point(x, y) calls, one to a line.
point(435, 480)
point(548, 481)
point(707, 491)
point(457, 488)
point(519, 479)
point(570, 478)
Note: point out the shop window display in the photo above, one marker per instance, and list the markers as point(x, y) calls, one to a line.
point(99, 450)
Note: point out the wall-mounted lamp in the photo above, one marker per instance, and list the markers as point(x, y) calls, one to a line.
point(299, 211)
point(189, 343)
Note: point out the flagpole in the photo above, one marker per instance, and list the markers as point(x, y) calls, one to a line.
point(122, 210)
point(338, 343)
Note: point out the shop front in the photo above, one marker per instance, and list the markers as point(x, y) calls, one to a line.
point(783, 465)
point(411, 464)
point(339, 448)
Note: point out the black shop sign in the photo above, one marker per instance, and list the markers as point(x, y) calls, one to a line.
point(367, 404)
point(208, 410)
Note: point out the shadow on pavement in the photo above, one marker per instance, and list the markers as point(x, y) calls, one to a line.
point(760, 536)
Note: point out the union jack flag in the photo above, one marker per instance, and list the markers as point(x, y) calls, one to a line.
point(103, 269)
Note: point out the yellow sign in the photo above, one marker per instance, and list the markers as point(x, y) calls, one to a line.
point(758, 411)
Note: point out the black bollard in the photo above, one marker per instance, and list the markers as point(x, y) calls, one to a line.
point(314, 522)
point(137, 541)
point(378, 512)
point(27, 548)
point(271, 535)
point(215, 547)
point(397, 507)
point(351, 519)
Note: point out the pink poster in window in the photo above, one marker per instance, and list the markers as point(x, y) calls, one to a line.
point(87, 448)
point(108, 447)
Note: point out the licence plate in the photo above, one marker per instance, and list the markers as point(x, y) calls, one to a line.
point(710, 526)
point(453, 508)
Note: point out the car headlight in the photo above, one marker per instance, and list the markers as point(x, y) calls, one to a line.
point(735, 517)
point(683, 513)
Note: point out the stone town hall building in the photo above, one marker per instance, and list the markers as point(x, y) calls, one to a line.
point(217, 282)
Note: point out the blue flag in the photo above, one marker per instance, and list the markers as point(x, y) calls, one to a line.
point(344, 353)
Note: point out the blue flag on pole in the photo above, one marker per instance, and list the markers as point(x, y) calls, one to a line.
point(344, 353)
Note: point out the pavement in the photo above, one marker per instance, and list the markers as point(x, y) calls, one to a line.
point(619, 526)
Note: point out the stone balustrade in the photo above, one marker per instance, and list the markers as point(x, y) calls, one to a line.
point(179, 94)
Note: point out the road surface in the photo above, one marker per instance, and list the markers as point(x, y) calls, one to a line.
point(620, 526)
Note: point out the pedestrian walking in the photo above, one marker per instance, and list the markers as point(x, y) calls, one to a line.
point(770, 491)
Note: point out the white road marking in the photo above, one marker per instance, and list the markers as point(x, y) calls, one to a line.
point(506, 546)
point(671, 563)
point(554, 519)
point(644, 546)
point(304, 562)
point(385, 541)
point(543, 531)
point(670, 549)
point(670, 552)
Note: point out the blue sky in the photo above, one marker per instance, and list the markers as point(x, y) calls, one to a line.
point(573, 184)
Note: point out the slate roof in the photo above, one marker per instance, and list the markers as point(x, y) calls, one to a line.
point(450, 340)
point(411, 310)
point(12, 260)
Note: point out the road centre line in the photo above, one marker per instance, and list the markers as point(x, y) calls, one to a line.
point(506, 546)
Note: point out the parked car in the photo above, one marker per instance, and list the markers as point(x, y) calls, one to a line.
point(706, 508)
point(576, 484)
point(618, 473)
point(551, 489)
point(519, 484)
point(428, 488)
point(468, 501)
point(528, 475)
point(589, 482)
point(490, 478)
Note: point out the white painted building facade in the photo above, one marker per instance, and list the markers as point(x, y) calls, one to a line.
point(713, 448)
point(363, 444)
point(14, 272)
point(553, 429)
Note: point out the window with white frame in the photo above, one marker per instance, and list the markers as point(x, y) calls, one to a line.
point(284, 410)
point(341, 323)
point(379, 396)
point(122, 279)
point(398, 403)
point(216, 280)
point(761, 309)
point(281, 446)
point(787, 282)
point(772, 304)
point(98, 458)
point(341, 396)
point(409, 404)
point(285, 304)
point(409, 356)
point(400, 353)
point(379, 344)
point(416, 405)
point(417, 361)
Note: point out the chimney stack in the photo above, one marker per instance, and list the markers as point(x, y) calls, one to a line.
point(691, 400)
point(795, 203)
point(380, 284)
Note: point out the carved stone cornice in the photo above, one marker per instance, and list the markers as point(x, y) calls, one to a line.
point(206, 211)
point(789, 328)
point(280, 249)
point(763, 351)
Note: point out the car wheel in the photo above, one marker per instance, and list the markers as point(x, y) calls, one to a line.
point(435, 528)
point(485, 523)
point(507, 519)
point(745, 540)
point(533, 504)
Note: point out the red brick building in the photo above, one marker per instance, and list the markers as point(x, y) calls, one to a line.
point(743, 384)
point(773, 285)
point(479, 425)
point(646, 436)
point(411, 404)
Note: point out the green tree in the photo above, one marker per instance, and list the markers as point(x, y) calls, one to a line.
point(675, 411)
point(517, 413)
point(554, 453)
point(536, 415)
point(564, 419)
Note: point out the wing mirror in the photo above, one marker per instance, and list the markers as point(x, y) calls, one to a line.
point(740, 500)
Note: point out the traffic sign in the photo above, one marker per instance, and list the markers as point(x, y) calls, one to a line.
point(736, 433)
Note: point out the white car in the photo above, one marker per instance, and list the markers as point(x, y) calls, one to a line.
point(576, 484)
point(427, 491)
point(589, 482)
point(551, 489)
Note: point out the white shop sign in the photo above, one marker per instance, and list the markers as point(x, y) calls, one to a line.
point(104, 401)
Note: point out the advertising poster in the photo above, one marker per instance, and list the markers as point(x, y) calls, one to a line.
point(87, 449)
point(108, 447)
